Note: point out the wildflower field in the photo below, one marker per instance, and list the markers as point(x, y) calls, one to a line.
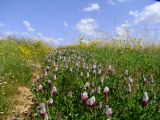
point(82, 82)
point(97, 83)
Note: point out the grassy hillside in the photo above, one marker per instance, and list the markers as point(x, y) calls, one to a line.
point(83, 81)
point(18, 60)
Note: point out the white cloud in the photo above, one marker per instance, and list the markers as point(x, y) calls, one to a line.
point(92, 7)
point(39, 34)
point(113, 2)
point(65, 24)
point(150, 14)
point(8, 33)
point(28, 26)
point(87, 26)
point(49, 40)
point(2, 24)
point(122, 31)
point(123, 0)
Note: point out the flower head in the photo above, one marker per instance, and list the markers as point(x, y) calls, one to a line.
point(43, 111)
point(40, 88)
point(54, 91)
point(55, 77)
point(126, 72)
point(108, 111)
point(87, 85)
point(84, 97)
point(91, 102)
point(145, 99)
point(50, 101)
point(151, 79)
point(130, 80)
point(49, 83)
point(110, 70)
point(106, 91)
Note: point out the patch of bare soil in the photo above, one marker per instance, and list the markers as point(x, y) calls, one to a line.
point(22, 102)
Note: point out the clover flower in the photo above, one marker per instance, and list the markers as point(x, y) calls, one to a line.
point(43, 111)
point(84, 97)
point(49, 83)
point(40, 88)
point(108, 111)
point(110, 70)
point(151, 79)
point(55, 77)
point(50, 101)
point(87, 85)
point(126, 72)
point(54, 91)
point(130, 80)
point(145, 99)
point(91, 102)
point(106, 91)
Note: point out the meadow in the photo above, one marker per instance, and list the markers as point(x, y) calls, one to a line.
point(85, 81)
point(18, 60)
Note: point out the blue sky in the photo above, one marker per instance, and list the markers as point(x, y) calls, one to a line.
point(62, 21)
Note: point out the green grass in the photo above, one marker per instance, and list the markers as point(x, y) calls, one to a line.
point(17, 63)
